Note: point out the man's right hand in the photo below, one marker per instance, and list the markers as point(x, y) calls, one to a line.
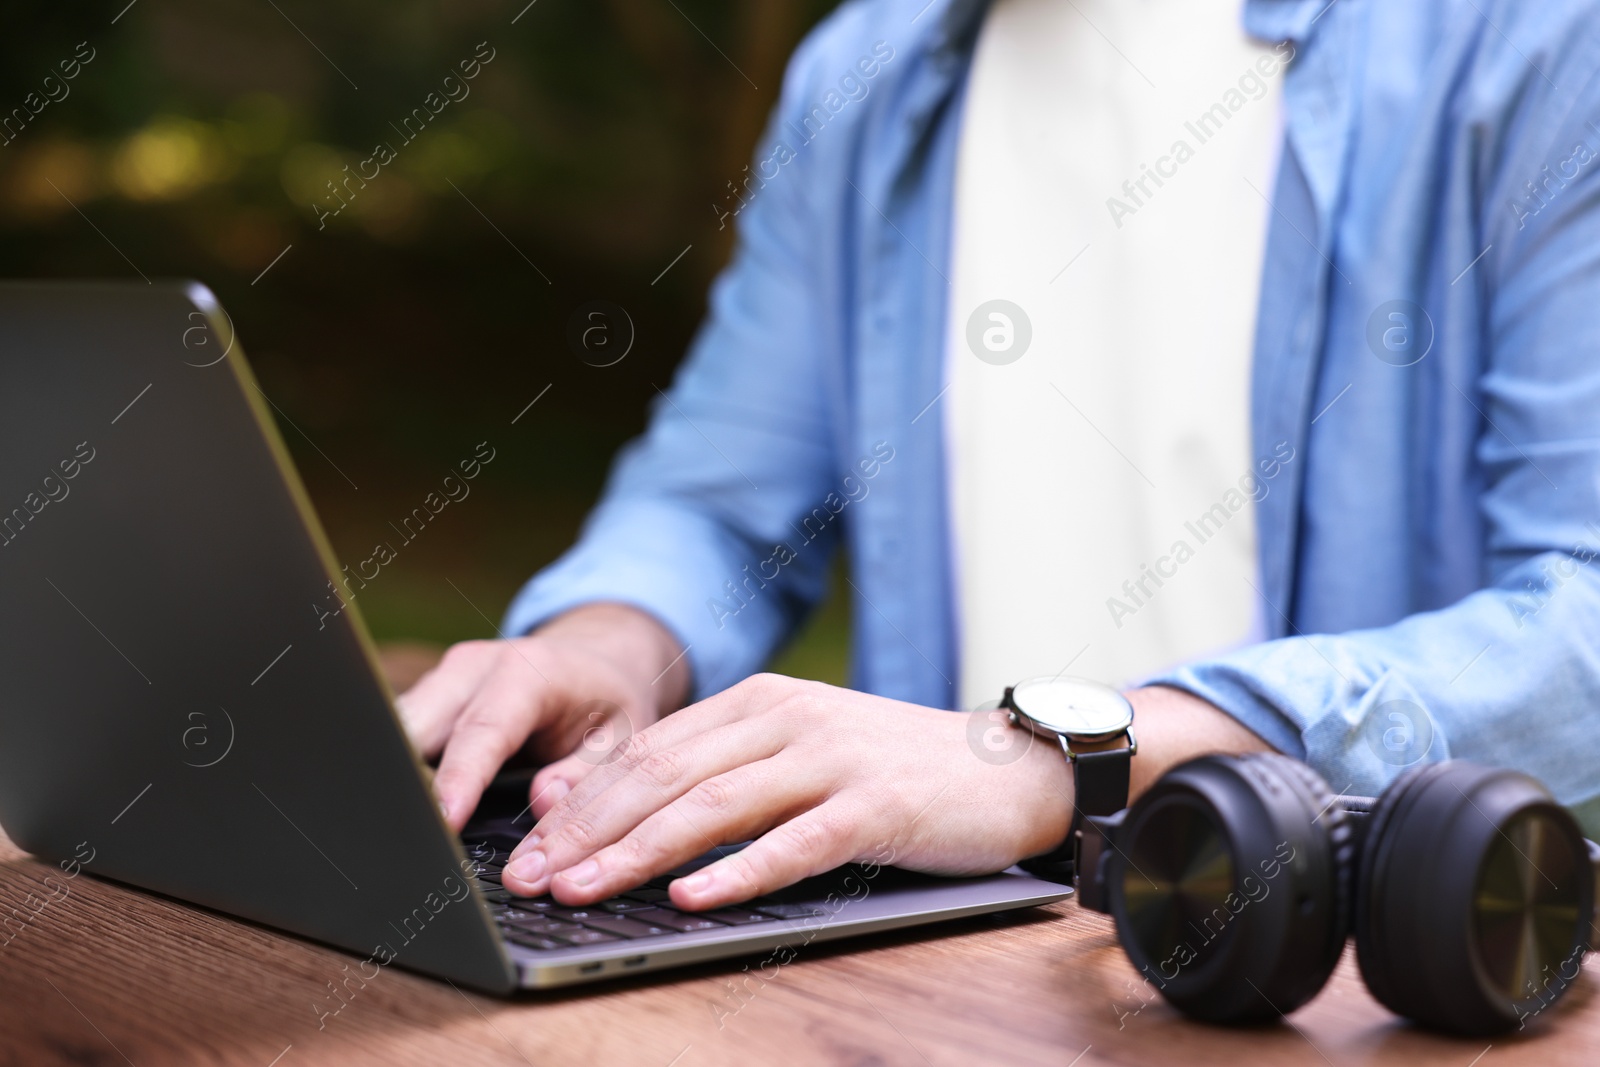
point(571, 690)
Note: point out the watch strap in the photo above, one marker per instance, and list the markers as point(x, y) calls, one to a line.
point(1100, 785)
point(1100, 782)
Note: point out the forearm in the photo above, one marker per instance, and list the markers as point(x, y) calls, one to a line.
point(1504, 676)
point(1173, 726)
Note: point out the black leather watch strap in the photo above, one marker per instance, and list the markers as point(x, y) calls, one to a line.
point(1100, 785)
point(1100, 782)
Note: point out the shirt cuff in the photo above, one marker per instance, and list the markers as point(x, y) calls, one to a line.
point(1312, 698)
point(675, 566)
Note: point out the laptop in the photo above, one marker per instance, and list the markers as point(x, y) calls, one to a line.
point(181, 711)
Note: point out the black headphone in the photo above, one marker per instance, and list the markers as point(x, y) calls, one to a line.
point(1235, 880)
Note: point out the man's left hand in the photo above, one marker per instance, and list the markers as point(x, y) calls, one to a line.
point(814, 776)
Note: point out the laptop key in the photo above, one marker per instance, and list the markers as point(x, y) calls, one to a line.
point(648, 894)
point(505, 914)
point(622, 905)
point(737, 916)
point(576, 915)
point(624, 926)
point(543, 925)
point(533, 941)
point(587, 937)
point(675, 920)
point(535, 904)
point(790, 911)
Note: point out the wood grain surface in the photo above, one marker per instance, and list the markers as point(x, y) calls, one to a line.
point(102, 974)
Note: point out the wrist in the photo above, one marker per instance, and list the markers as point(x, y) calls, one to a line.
point(1086, 728)
point(634, 642)
point(1174, 726)
point(1049, 796)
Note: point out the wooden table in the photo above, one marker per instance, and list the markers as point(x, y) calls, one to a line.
point(108, 975)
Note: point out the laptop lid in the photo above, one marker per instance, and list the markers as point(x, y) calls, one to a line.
point(179, 708)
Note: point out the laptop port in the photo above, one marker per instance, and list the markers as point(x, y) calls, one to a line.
point(591, 968)
point(635, 961)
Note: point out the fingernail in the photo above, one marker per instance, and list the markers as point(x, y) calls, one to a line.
point(698, 882)
point(583, 873)
point(556, 790)
point(528, 844)
point(527, 869)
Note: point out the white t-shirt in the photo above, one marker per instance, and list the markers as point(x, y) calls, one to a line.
point(1115, 161)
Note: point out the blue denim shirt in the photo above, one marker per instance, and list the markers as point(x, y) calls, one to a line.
point(1427, 345)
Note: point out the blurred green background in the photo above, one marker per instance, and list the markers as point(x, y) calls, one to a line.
point(197, 135)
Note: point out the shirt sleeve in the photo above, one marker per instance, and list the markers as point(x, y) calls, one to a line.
point(1509, 674)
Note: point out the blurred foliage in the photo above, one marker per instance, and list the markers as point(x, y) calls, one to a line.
point(196, 136)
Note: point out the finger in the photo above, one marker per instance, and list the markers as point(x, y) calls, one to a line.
point(494, 724)
point(814, 841)
point(430, 707)
point(597, 744)
point(731, 705)
point(555, 781)
point(655, 783)
point(730, 807)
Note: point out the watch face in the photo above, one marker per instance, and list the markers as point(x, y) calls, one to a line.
point(1076, 707)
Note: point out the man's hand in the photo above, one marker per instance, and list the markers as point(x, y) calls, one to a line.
point(571, 689)
point(819, 776)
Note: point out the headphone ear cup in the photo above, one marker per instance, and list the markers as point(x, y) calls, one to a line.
point(1338, 836)
point(1473, 896)
point(1229, 886)
point(1370, 893)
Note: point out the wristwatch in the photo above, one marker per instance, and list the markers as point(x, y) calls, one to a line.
point(1077, 711)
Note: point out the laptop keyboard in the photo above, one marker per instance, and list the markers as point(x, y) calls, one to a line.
point(543, 925)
